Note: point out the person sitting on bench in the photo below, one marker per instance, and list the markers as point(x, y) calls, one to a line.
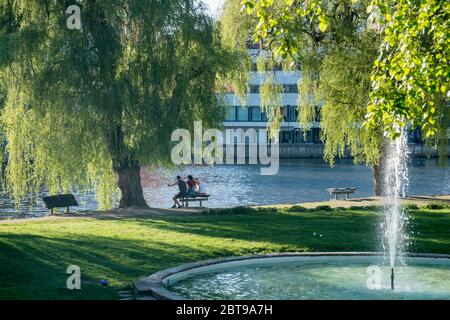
point(190, 187)
point(181, 194)
point(200, 188)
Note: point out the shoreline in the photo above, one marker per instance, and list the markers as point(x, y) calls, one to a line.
point(117, 213)
point(368, 201)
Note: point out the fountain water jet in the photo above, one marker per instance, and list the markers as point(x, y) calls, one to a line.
point(395, 183)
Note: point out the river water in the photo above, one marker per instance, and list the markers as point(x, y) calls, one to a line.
point(299, 180)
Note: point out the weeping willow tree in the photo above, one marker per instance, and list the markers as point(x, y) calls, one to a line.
point(334, 47)
point(87, 108)
point(409, 73)
point(237, 33)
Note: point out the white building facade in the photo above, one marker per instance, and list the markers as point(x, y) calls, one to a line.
point(294, 143)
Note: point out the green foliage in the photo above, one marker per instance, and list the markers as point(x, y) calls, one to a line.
point(79, 106)
point(411, 206)
point(295, 208)
point(409, 82)
point(234, 31)
point(344, 89)
point(410, 78)
point(335, 50)
point(323, 208)
point(365, 208)
point(436, 206)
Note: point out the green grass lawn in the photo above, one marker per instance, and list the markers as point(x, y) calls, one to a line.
point(34, 254)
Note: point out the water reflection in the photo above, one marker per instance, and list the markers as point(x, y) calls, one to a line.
point(298, 180)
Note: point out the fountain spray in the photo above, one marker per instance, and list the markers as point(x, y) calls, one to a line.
point(392, 279)
point(395, 183)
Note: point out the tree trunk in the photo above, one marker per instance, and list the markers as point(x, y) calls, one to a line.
point(377, 180)
point(130, 186)
point(378, 171)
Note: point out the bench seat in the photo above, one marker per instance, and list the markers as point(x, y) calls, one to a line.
point(338, 191)
point(185, 200)
point(60, 201)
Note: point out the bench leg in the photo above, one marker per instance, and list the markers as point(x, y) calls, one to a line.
point(201, 204)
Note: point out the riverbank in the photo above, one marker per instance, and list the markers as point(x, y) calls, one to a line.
point(420, 201)
point(35, 253)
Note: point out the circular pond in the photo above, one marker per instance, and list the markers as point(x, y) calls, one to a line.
point(348, 276)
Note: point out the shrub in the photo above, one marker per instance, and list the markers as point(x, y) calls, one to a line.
point(365, 208)
point(243, 210)
point(295, 208)
point(435, 206)
point(266, 210)
point(323, 208)
point(411, 206)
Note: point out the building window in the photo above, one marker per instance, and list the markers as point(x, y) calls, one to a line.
point(278, 67)
point(415, 136)
point(263, 116)
point(290, 88)
point(255, 114)
point(284, 112)
point(254, 88)
point(286, 136)
point(302, 137)
point(231, 113)
point(292, 115)
point(242, 114)
point(316, 135)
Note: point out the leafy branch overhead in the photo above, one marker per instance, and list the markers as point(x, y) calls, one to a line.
point(409, 77)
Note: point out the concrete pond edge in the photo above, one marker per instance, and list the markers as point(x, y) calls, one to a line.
point(153, 285)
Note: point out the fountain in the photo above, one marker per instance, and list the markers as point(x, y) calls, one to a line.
point(394, 185)
point(341, 275)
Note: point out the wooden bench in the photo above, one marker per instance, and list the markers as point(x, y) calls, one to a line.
point(338, 191)
point(60, 201)
point(185, 200)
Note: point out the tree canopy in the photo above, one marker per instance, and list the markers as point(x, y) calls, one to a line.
point(86, 108)
point(410, 76)
point(373, 66)
point(334, 47)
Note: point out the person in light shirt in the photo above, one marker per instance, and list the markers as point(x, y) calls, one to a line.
point(200, 188)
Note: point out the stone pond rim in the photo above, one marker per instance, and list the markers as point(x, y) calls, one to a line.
point(153, 285)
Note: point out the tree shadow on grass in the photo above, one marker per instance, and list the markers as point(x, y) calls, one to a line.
point(34, 267)
point(339, 232)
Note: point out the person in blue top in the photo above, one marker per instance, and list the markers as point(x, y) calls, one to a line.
point(190, 186)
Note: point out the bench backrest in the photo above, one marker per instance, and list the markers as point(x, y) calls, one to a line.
point(60, 201)
point(342, 190)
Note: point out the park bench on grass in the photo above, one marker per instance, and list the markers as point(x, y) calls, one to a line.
point(185, 200)
point(338, 191)
point(60, 201)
